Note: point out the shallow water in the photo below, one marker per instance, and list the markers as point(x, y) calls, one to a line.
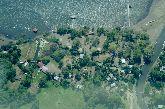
point(18, 17)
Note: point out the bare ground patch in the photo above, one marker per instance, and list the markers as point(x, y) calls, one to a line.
point(155, 21)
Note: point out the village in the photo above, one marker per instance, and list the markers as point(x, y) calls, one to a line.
point(99, 56)
point(72, 58)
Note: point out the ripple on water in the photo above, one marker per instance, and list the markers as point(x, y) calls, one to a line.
point(18, 17)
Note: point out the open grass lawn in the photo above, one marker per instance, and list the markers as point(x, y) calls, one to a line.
point(27, 51)
point(27, 106)
point(59, 98)
point(38, 76)
point(53, 66)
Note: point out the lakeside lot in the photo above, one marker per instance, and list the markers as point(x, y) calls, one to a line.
point(154, 22)
point(60, 98)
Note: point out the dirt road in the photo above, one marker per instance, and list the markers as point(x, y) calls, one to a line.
point(154, 25)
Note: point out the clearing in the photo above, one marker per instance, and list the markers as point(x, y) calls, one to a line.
point(155, 21)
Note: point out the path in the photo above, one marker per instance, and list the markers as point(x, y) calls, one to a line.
point(147, 68)
point(37, 50)
point(156, 30)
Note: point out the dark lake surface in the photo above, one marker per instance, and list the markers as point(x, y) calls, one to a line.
point(18, 17)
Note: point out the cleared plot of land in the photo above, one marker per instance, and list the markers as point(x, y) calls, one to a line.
point(27, 51)
point(53, 67)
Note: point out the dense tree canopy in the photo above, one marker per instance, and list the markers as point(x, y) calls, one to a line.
point(7, 72)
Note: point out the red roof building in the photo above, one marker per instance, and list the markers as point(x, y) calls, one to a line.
point(42, 67)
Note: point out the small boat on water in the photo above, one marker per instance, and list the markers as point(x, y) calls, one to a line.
point(73, 17)
point(35, 30)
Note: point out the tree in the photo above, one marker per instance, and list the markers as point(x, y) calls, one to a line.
point(60, 64)
point(157, 78)
point(157, 99)
point(95, 53)
point(148, 50)
point(75, 34)
point(62, 31)
point(58, 54)
point(53, 39)
point(13, 53)
point(45, 60)
point(11, 74)
point(128, 35)
point(112, 46)
point(65, 84)
point(7, 71)
point(74, 50)
point(78, 77)
point(97, 80)
point(141, 44)
point(147, 59)
point(106, 45)
point(137, 56)
point(26, 83)
point(143, 36)
point(95, 42)
point(83, 31)
point(136, 72)
point(3, 71)
point(100, 31)
point(162, 58)
point(84, 62)
point(108, 60)
point(42, 83)
point(111, 36)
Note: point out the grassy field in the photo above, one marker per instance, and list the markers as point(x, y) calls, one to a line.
point(59, 98)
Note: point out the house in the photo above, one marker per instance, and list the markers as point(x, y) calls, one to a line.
point(162, 68)
point(108, 78)
point(56, 78)
point(26, 63)
point(130, 66)
point(42, 67)
point(123, 61)
point(80, 50)
point(113, 84)
point(160, 106)
point(90, 33)
point(5, 52)
point(79, 86)
point(81, 56)
point(99, 49)
point(21, 62)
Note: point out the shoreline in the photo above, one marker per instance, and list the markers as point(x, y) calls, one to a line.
point(141, 18)
point(154, 22)
point(147, 11)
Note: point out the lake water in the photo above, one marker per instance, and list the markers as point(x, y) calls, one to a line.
point(18, 17)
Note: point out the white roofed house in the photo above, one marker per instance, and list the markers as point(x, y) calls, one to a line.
point(42, 67)
point(162, 68)
point(81, 56)
point(123, 61)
